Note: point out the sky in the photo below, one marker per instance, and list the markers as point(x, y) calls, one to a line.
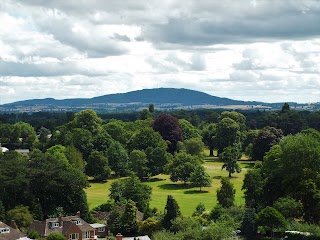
point(259, 50)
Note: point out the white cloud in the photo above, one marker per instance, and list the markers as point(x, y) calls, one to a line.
point(250, 50)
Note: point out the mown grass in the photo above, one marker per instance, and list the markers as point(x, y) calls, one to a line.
point(188, 197)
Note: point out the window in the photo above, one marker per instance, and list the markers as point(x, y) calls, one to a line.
point(76, 221)
point(4, 230)
point(54, 224)
point(85, 235)
point(101, 229)
point(74, 236)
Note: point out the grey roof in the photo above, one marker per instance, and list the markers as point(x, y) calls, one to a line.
point(13, 234)
point(97, 225)
point(146, 237)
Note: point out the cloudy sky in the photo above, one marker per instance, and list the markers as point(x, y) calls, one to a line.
point(264, 50)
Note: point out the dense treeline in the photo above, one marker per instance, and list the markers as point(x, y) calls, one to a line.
point(68, 148)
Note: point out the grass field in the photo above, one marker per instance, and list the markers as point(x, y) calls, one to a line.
point(188, 197)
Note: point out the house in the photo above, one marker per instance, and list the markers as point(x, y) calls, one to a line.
point(104, 216)
point(120, 237)
point(9, 233)
point(101, 230)
point(72, 227)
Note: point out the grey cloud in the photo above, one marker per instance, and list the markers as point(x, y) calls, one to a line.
point(43, 69)
point(124, 38)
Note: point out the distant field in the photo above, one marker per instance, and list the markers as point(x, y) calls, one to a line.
point(187, 197)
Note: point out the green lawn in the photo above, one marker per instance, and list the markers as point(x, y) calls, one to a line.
point(187, 197)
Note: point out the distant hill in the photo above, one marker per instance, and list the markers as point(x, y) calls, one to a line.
point(166, 98)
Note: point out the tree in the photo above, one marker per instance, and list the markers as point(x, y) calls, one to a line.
point(171, 212)
point(289, 208)
point(182, 166)
point(97, 166)
point(230, 156)
point(253, 188)
point(157, 159)
point(2, 212)
point(270, 219)
point(266, 138)
point(236, 116)
point(116, 130)
point(138, 163)
point(295, 160)
point(131, 188)
point(169, 128)
point(75, 157)
point(200, 208)
point(188, 130)
point(21, 216)
point(149, 226)
point(129, 224)
point(291, 122)
point(194, 146)
point(200, 178)
point(313, 120)
point(88, 120)
point(118, 158)
point(248, 225)
point(226, 193)
point(27, 134)
point(209, 136)
point(228, 133)
point(56, 236)
point(55, 183)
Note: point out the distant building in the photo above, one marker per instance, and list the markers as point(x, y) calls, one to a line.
point(9, 233)
point(72, 227)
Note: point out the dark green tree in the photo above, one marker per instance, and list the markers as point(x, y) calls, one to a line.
point(118, 158)
point(88, 120)
point(21, 215)
point(129, 222)
point(266, 138)
point(182, 166)
point(139, 163)
point(56, 236)
point(226, 193)
point(289, 208)
point(248, 225)
point(270, 219)
point(228, 133)
point(253, 188)
point(200, 178)
point(188, 130)
point(230, 156)
point(131, 188)
point(194, 146)
point(171, 212)
point(97, 166)
point(2, 212)
point(209, 136)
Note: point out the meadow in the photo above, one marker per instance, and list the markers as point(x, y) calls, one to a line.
point(187, 196)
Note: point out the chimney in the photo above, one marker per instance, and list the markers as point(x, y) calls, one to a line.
point(119, 236)
point(13, 224)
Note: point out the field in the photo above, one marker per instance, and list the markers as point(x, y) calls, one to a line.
point(188, 197)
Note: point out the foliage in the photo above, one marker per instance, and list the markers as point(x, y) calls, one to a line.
point(2, 212)
point(266, 138)
point(169, 128)
point(129, 224)
point(289, 208)
point(149, 226)
point(209, 136)
point(33, 234)
point(183, 224)
point(118, 158)
point(182, 166)
point(56, 236)
point(188, 130)
point(230, 156)
point(228, 133)
point(248, 225)
point(131, 189)
point(270, 219)
point(164, 235)
point(194, 146)
point(295, 160)
point(253, 188)
point(138, 163)
point(200, 178)
point(97, 166)
point(88, 120)
point(171, 212)
point(226, 193)
point(199, 209)
point(21, 215)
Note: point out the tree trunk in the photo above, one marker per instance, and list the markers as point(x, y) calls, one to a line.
point(229, 174)
point(211, 152)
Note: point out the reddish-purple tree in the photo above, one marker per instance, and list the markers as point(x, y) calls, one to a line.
point(169, 128)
